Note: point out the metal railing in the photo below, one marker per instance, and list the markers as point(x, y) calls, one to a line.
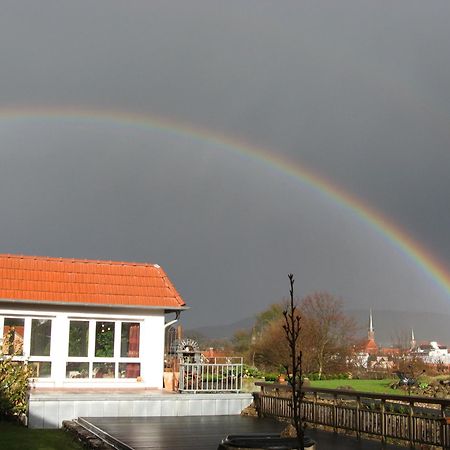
point(417, 420)
point(211, 375)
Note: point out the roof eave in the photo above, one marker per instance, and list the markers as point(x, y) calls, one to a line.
point(166, 308)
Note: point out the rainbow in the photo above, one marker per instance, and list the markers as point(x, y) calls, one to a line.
point(398, 237)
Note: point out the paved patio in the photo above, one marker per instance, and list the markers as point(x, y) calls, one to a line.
point(206, 432)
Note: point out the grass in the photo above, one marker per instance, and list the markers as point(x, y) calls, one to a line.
point(17, 437)
point(375, 386)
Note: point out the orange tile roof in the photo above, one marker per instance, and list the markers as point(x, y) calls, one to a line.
point(91, 282)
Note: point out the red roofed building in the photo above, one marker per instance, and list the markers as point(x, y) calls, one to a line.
point(85, 322)
point(371, 346)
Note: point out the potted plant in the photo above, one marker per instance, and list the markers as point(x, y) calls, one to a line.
point(281, 378)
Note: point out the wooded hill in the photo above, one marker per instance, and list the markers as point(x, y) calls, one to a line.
point(390, 326)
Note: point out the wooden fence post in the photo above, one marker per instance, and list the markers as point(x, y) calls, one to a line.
point(358, 425)
point(315, 409)
point(445, 430)
point(335, 413)
point(411, 424)
point(383, 421)
point(257, 402)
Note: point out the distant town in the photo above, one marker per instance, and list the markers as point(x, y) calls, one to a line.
point(432, 354)
point(345, 351)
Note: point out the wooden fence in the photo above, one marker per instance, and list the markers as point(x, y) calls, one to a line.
point(417, 420)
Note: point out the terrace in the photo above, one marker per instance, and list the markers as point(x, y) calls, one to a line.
point(336, 419)
point(203, 433)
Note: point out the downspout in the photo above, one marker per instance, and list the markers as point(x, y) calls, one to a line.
point(177, 316)
point(166, 325)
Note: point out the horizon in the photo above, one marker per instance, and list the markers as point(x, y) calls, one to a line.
point(388, 334)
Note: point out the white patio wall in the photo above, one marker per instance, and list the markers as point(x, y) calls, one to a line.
point(49, 410)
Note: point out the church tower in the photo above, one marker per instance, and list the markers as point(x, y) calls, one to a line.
point(371, 332)
point(371, 345)
point(413, 340)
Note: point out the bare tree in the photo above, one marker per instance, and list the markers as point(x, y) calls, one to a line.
point(327, 333)
point(330, 333)
point(270, 347)
point(294, 370)
point(402, 341)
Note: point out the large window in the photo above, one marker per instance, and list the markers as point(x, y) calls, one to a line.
point(28, 340)
point(103, 349)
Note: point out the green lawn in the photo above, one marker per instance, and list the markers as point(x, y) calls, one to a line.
point(375, 386)
point(17, 437)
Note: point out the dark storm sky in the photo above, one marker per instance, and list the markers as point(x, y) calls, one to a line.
point(359, 91)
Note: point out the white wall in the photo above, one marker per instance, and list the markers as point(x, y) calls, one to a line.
point(48, 410)
point(151, 342)
point(152, 351)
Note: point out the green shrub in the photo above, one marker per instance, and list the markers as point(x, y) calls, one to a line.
point(331, 376)
point(251, 372)
point(14, 387)
point(271, 376)
point(313, 376)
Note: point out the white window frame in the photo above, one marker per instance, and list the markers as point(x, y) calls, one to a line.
point(91, 359)
point(26, 357)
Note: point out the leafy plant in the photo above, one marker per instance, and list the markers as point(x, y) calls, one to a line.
point(251, 372)
point(104, 345)
point(14, 386)
point(269, 376)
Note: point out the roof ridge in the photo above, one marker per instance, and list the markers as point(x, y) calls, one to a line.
point(78, 260)
point(86, 293)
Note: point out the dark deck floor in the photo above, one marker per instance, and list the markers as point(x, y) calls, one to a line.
point(206, 432)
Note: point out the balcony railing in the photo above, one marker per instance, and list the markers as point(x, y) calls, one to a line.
point(417, 420)
point(212, 375)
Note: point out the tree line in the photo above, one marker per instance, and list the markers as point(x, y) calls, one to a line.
point(327, 337)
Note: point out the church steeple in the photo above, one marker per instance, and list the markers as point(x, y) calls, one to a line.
point(371, 346)
point(413, 340)
point(371, 332)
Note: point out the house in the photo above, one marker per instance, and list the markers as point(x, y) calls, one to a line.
point(432, 353)
point(85, 323)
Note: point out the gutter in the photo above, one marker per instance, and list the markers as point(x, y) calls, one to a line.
point(93, 305)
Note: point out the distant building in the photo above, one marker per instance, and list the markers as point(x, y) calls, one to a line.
point(371, 356)
point(432, 353)
point(368, 349)
point(371, 346)
point(413, 340)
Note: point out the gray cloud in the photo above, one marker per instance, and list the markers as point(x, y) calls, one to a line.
point(359, 91)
